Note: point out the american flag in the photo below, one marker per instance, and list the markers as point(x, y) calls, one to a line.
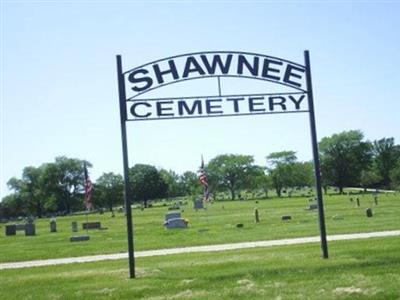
point(88, 189)
point(203, 180)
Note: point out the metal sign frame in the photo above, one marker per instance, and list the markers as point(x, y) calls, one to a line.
point(293, 72)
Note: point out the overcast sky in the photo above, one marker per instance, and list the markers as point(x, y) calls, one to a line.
point(59, 91)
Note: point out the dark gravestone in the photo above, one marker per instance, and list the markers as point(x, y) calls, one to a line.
point(312, 206)
point(30, 229)
point(351, 199)
point(91, 225)
point(11, 229)
point(376, 200)
point(358, 202)
point(198, 204)
point(53, 226)
point(74, 226)
point(368, 212)
point(79, 238)
point(256, 215)
point(176, 223)
point(172, 215)
point(240, 225)
point(286, 218)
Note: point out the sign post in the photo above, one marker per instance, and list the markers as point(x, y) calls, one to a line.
point(127, 194)
point(317, 169)
point(218, 65)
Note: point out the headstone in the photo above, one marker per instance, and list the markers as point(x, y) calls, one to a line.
point(368, 212)
point(176, 223)
point(256, 215)
point(91, 225)
point(358, 202)
point(376, 200)
point(30, 229)
point(172, 215)
point(11, 229)
point(312, 206)
point(351, 199)
point(286, 218)
point(198, 204)
point(79, 238)
point(53, 225)
point(74, 226)
point(240, 225)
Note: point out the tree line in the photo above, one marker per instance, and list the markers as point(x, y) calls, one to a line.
point(347, 159)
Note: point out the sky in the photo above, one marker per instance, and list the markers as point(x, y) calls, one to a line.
point(59, 92)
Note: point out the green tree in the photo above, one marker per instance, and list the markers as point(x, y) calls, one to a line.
point(173, 183)
point(386, 156)
point(190, 183)
point(343, 158)
point(65, 182)
point(109, 189)
point(369, 179)
point(146, 183)
point(395, 177)
point(231, 172)
point(282, 170)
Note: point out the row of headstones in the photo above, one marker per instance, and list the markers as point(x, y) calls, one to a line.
point(29, 228)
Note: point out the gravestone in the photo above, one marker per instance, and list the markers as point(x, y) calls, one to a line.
point(79, 238)
point(74, 226)
point(30, 229)
point(240, 225)
point(376, 200)
point(176, 223)
point(91, 225)
point(11, 230)
point(313, 206)
point(256, 215)
point(358, 202)
point(198, 204)
point(53, 225)
point(368, 212)
point(286, 218)
point(172, 215)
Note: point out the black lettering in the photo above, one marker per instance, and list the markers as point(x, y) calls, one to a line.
point(281, 102)
point(289, 73)
point(253, 69)
point(224, 67)
point(196, 67)
point(182, 105)
point(148, 81)
point(135, 114)
point(172, 70)
point(267, 69)
point(253, 104)
point(297, 102)
point(209, 107)
point(161, 108)
point(235, 103)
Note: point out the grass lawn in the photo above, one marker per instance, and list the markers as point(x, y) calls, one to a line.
point(358, 269)
point(220, 219)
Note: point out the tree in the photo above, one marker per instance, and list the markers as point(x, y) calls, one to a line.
point(109, 189)
point(395, 177)
point(343, 157)
point(65, 182)
point(231, 172)
point(146, 183)
point(173, 183)
point(190, 183)
point(263, 181)
point(369, 179)
point(285, 171)
point(386, 156)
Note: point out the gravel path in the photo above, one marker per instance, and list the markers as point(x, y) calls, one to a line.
point(208, 248)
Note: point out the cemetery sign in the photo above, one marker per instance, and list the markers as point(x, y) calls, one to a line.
point(136, 84)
